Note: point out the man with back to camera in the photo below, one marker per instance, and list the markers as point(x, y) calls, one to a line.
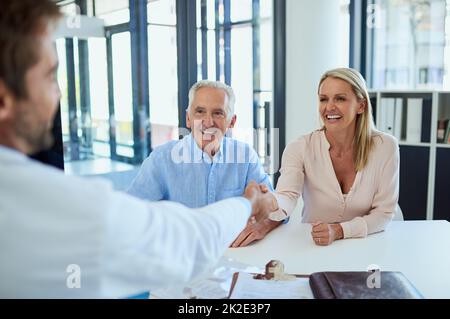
point(52, 224)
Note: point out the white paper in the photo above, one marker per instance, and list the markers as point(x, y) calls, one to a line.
point(248, 288)
point(215, 285)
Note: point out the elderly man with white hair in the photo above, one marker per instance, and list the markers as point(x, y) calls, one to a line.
point(205, 166)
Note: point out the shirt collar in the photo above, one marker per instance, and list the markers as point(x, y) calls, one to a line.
point(325, 143)
point(198, 155)
point(8, 154)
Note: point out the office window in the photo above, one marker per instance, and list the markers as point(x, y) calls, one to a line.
point(97, 105)
point(409, 41)
point(242, 81)
point(446, 84)
point(113, 12)
point(72, 118)
point(63, 86)
point(97, 76)
point(85, 105)
point(206, 39)
point(123, 102)
point(163, 76)
point(236, 47)
point(345, 32)
point(99, 117)
point(162, 12)
point(241, 10)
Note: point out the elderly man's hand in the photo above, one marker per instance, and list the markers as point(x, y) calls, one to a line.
point(324, 234)
point(263, 202)
point(254, 231)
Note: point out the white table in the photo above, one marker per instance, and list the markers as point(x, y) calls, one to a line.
point(419, 249)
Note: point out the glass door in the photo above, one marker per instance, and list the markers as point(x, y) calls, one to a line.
point(120, 96)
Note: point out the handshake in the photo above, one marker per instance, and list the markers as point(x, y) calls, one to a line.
point(263, 202)
point(262, 221)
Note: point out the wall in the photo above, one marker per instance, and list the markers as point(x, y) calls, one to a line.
point(314, 44)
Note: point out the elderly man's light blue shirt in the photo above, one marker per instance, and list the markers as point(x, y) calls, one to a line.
point(180, 171)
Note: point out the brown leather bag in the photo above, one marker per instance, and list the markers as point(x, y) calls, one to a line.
point(356, 285)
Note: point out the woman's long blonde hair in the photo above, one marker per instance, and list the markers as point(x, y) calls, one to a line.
point(365, 127)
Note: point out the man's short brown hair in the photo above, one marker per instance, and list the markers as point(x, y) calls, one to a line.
point(21, 22)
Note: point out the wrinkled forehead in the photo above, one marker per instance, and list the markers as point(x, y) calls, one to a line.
point(210, 97)
point(212, 94)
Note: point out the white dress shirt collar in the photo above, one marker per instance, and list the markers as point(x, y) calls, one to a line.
point(8, 154)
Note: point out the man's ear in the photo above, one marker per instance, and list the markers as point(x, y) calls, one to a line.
point(232, 122)
point(188, 119)
point(6, 101)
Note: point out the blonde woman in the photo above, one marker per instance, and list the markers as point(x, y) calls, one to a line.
point(347, 172)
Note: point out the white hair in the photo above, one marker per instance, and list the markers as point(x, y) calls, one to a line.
point(229, 107)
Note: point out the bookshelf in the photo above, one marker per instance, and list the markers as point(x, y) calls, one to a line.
point(417, 120)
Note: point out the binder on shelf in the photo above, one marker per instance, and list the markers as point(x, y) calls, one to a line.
point(398, 118)
point(381, 123)
point(441, 130)
point(447, 133)
point(418, 111)
point(387, 115)
point(425, 135)
point(414, 120)
point(373, 102)
point(390, 118)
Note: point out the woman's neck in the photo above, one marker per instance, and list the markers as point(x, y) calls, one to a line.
point(340, 142)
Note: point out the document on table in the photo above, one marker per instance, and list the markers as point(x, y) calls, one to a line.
point(246, 287)
point(215, 285)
